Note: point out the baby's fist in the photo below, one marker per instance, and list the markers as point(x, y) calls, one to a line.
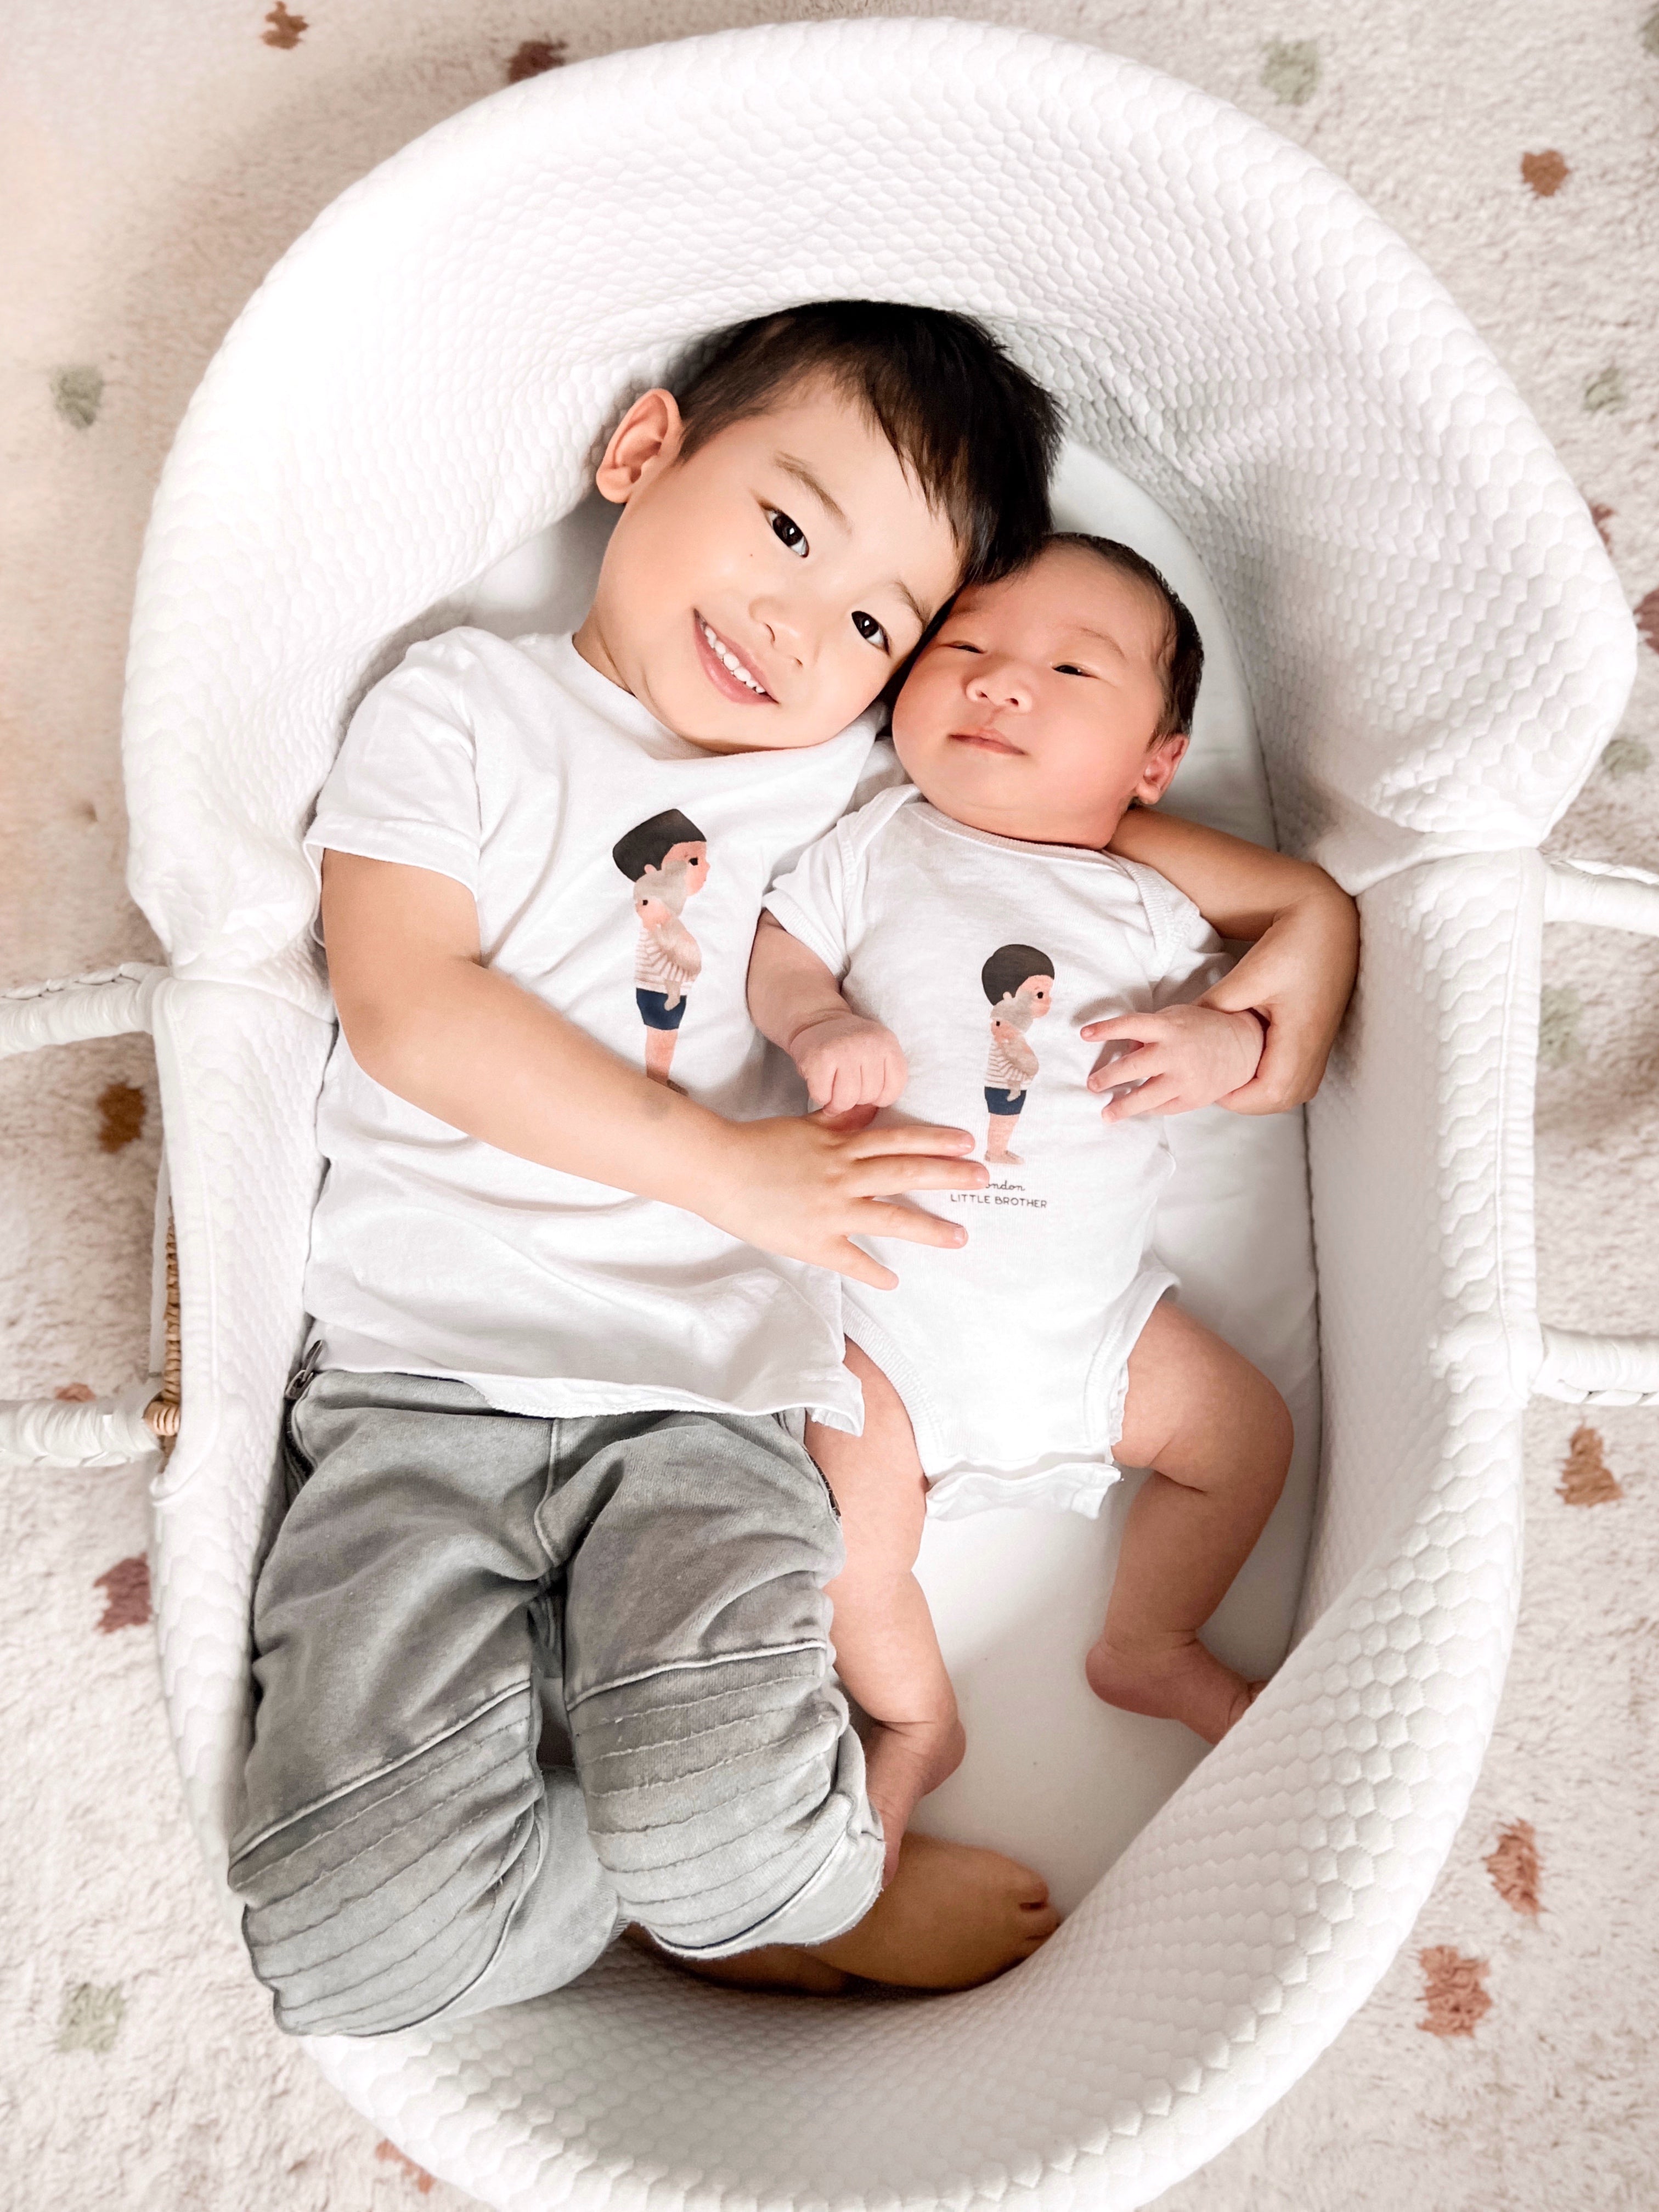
point(846, 1061)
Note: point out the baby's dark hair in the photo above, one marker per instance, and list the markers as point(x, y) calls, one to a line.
point(1009, 966)
point(977, 434)
point(1183, 661)
point(648, 844)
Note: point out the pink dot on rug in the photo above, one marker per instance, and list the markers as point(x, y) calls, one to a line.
point(418, 2174)
point(126, 1595)
point(1453, 1997)
point(1647, 618)
point(1513, 1866)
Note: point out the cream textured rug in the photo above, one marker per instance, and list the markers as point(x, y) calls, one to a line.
point(153, 162)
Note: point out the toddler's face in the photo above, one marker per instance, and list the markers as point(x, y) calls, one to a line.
point(758, 595)
point(1031, 713)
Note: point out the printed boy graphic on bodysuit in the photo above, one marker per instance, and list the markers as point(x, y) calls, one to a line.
point(666, 861)
point(1019, 982)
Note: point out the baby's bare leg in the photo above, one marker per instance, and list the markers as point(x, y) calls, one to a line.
point(885, 1648)
point(1217, 1435)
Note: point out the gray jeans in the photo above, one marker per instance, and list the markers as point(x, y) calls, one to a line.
point(660, 1577)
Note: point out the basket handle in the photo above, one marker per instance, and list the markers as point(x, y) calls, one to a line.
point(1578, 1365)
point(109, 1431)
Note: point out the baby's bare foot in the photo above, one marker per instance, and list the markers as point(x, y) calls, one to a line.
point(902, 1761)
point(1183, 1682)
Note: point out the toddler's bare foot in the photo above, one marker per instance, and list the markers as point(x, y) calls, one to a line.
point(951, 1917)
point(902, 1761)
point(1182, 1682)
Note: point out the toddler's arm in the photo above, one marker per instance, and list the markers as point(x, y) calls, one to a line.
point(845, 1061)
point(426, 1019)
point(1300, 968)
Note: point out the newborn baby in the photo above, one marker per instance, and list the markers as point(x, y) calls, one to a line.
point(1021, 1370)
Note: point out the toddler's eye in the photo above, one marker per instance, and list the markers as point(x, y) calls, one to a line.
point(869, 630)
point(789, 533)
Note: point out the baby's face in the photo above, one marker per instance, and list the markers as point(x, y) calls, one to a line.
point(1031, 713)
point(758, 595)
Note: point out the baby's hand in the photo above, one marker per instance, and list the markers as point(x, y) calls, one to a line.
point(846, 1061)
point(1185, 1057)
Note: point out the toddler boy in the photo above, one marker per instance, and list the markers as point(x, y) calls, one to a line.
point(1047, 703)
point(568, 1319)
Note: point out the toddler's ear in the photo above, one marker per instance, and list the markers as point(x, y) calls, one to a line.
point(1158, 768)
point(645, 442)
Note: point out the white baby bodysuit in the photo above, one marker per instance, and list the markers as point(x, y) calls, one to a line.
point(984, 957)
point(618, 872)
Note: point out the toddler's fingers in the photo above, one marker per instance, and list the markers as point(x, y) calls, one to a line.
point(911, 1224)
point(847, 1258)
point(883, 1177)
point(914, 1137)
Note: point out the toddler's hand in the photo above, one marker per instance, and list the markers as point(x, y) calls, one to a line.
point(802, 1187)
point(1182, 1058)
point(846, 1061)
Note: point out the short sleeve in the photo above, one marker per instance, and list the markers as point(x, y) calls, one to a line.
point(1188, 957)
point(404, 786)
point(813, 900)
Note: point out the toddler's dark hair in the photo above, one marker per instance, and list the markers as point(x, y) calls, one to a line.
point(978, 435)
point(648, 844)
point(1009, 966)
point(1183, 661)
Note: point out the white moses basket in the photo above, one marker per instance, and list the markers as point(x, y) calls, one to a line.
point(1435, 650)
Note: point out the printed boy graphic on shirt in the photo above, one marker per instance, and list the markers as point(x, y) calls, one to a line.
point(666, 861)
point(1019, 982)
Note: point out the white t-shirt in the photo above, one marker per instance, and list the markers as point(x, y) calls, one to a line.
point(985, 957)
point(618, 872)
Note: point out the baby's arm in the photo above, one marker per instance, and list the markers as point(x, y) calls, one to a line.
point(1299, 972)
point(845, 1061)
point(426, 1019)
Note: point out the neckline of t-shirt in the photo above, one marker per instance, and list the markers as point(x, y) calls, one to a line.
point(608, 700)
point(1087, 853)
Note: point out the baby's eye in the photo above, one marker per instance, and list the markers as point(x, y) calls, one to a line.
point(869, 630)
point(787, 533)
point(1067, 668)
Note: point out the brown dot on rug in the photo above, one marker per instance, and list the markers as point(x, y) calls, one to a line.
point(77, 393)
point(1545, 172)
point(285, 30)
point(418, 2174)
point(121, 1112)
point(1601, 516)
point(126, 1595)
point(1453, 1997)
point(1586, 1478)
point(1647, 618)
point(536, 56)
point(91, 2017)
point(76, 1394)
point(1513, 1865)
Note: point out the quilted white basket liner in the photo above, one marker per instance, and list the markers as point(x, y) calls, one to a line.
point(1437, 651)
